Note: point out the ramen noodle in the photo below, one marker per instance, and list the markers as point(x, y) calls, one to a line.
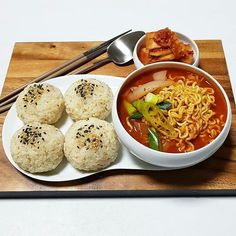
point(181, 112)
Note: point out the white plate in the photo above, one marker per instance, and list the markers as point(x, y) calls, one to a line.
point(65, 172)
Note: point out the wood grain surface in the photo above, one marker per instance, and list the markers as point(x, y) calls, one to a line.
point(213, 176)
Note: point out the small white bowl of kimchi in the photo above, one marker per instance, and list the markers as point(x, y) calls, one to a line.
point(165, 45)
point(171, 114)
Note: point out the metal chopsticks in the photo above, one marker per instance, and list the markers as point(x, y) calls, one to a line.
point(6, 101)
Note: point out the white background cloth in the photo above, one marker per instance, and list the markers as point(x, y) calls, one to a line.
point(57, 20)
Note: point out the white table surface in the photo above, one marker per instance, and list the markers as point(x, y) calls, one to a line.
point(51, 20)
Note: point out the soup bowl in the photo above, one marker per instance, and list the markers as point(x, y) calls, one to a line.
point(138, 63)
point(169, 159)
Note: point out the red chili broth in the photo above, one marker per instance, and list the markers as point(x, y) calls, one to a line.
point(141, 134)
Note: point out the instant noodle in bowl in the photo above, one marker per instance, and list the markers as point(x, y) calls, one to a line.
point(165, 45)
point(171, 114)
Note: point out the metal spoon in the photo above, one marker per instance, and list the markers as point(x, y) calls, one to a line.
point(119, 52)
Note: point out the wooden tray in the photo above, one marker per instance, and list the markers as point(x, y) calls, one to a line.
point(215, 176)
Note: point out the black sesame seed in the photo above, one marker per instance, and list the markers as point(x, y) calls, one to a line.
point(91, 126)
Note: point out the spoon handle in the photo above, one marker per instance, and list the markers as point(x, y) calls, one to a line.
point(90, 68)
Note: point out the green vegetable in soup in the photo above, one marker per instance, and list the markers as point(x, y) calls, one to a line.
point(153, 139)
point(136, 115)
point(152, 98)
point(129, 108)
point(165, 105)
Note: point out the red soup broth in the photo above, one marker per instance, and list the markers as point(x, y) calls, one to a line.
point(140, 128)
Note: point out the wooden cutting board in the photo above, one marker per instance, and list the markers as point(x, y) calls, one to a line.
point(215, 176)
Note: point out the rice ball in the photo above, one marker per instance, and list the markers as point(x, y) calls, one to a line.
point(91, 144)
point(37, 147)
point(43, 103)
point(87, 98)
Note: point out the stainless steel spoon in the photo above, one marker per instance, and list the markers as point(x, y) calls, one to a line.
point(119, 52)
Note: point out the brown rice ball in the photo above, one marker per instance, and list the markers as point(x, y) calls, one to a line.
point(87, 98)
point(37, 147)
point(43, 103)
point(91, 144)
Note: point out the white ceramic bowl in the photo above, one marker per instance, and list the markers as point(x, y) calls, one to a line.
point(182, 37)
point(163, 159)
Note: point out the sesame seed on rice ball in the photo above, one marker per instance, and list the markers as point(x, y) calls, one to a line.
point(37, 147)
point(43, 103)
point(91, 144)
point(87, 98)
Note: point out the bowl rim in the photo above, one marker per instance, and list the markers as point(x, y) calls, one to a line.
point(180, 35)
point(175, 156)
